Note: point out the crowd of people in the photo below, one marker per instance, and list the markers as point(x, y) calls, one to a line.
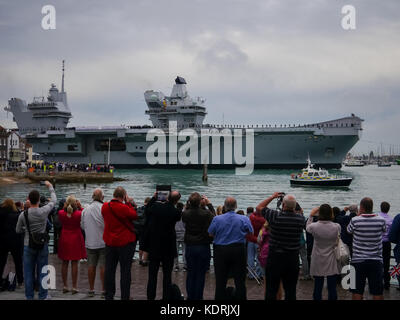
point(267, 243)
point(70, 167)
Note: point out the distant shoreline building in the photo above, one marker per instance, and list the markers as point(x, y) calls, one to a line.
point(3, 148)
point(15, 152)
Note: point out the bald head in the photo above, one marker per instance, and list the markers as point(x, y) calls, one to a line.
point(230, 204)
point(98, 195)
point(289, 202)
point(175, 196)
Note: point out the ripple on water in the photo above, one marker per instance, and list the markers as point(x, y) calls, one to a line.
point(381, 185)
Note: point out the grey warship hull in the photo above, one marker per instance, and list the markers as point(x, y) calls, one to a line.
point(273, 148)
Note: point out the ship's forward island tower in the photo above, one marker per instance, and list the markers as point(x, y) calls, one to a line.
point(179, 107)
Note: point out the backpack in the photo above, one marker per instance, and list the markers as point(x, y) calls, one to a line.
point(175, 293)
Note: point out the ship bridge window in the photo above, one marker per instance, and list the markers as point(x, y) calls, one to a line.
point(116, 145)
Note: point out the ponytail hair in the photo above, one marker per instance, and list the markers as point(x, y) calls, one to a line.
point(70, 205)
point(70, 209)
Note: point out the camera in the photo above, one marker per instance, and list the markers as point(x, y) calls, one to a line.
point(42, 183)
point(280, 200)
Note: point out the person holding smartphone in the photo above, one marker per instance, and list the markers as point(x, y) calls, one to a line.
point(35, 258)
point(120, 239)
point(323, 258)
point(286, 227)
point(198, 254)
point(162, 216)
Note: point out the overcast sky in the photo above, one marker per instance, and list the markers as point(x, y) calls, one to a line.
point(256, 62)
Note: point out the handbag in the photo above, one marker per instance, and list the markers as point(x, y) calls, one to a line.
point(37, 240)
point(342, 252)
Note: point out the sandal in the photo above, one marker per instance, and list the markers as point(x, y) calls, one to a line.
point(65, 290)
point(103, 295)
point(91, 294)
point(74, 291)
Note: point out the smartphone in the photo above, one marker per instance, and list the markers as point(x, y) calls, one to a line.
point(163, 192)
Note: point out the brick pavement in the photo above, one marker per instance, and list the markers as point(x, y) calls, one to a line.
point(139, 283)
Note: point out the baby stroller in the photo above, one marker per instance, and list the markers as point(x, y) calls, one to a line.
point(253, 274)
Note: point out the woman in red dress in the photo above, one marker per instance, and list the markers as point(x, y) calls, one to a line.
point(71, 244)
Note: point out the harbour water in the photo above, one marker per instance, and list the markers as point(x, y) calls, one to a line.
point(381, 184)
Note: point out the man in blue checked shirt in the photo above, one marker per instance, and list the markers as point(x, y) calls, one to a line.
point(229, 231)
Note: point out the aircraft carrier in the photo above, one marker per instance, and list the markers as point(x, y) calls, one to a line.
point(44, 123)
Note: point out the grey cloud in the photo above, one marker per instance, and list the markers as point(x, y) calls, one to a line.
point(222, 53)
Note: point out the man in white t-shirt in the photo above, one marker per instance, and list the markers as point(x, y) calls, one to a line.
point(92, 223)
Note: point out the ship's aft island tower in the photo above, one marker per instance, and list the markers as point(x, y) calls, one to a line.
point(179, 107)
point(41, 115)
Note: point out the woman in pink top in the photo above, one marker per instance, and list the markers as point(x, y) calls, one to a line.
point(263, 242)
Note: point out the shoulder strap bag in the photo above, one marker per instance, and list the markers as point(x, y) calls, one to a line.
point(342, 252)
point(37, 240)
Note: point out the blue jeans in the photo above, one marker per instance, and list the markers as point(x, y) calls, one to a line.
point(197, 260)
point(252, 260)
point(319, 284)
point(32, 259)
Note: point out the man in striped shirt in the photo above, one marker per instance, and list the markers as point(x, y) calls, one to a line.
point(286, 228)
point(367, 229)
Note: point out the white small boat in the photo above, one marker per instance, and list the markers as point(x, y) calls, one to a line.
point(354, 163)
point(318, 177)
